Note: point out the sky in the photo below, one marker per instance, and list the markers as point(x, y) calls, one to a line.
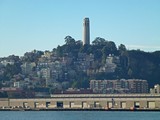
point(26, 25)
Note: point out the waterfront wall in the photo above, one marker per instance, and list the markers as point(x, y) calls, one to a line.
point(86, 101)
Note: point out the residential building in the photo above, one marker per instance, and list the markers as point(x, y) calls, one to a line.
point(155, 90)
point(110, 65)
point(6, 62)
point(18, 84)
point(119, 86)
point(27, 68)
point(46, 74)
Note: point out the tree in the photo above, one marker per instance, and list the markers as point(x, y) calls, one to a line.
point(104, 59)
point(11, 70)
point(122, 47)
point(112, 47)
point(109, 48)
point(99, 41)
point(85, 49)
point(32, 56)
point(79, 42)
point(59, 51)
point(97, 54)
point(69, 40)
point(130, 72)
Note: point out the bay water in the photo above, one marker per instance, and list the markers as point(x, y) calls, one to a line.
point(78, 115)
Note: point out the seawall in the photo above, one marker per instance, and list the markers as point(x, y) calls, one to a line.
point(101, 102)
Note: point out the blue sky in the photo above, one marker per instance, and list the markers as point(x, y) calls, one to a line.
point(26, 25)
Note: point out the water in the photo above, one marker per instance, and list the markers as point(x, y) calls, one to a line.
point(78, 115)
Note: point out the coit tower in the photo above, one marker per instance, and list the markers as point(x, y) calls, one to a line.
point(86, 32)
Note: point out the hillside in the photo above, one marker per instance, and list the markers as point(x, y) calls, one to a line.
point(73, 65)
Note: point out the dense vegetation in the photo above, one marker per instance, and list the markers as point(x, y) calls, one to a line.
point(133, 63)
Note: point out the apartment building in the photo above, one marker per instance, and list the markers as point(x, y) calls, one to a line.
point(119, 86)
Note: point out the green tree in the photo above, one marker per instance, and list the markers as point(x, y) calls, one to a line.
point(69, 40)
point(59, 51)
point(122, 47)
point(99, 41)
point(130, 73)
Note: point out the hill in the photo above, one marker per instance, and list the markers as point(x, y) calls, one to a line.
point(74, 65)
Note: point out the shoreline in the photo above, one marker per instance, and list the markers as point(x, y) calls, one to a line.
point(85, 102)
point(74, 109)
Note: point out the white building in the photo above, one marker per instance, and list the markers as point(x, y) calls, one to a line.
point(155, 90)
point(28, 67)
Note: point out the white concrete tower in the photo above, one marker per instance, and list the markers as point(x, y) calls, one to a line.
point(86, 32)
